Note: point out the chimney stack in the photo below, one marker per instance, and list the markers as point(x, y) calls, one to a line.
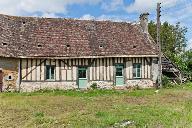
point(144, 22)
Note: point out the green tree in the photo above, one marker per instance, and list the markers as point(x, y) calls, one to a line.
point(173, 42)
point(188, 59)
point(173, 39)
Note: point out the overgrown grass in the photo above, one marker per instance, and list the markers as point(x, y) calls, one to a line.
point(83, 93)
point(97, 108)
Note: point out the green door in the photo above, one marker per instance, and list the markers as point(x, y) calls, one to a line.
point(119, 79)
point(82, 77)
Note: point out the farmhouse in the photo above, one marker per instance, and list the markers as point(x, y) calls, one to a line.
point(55, 53)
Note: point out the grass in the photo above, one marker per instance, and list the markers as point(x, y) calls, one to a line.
point(97, 108)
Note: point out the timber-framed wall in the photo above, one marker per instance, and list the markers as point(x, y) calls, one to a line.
point(98, 70)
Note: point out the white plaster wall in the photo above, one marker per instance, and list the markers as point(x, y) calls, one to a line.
point(155, 71)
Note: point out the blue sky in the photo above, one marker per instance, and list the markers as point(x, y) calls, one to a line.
point(117, 10)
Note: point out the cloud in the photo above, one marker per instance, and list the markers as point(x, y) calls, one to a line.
point(22, 7)
point(87, 17)
point(103, 17)
point(113, 18)
point(112, 5)
point(140, 6)
point(50, 15)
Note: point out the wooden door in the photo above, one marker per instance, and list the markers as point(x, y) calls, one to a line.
point(119, 78)
point(1, 80)
point(82, 77)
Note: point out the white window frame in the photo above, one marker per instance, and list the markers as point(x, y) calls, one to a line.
point(135, 69)
point(50, 72)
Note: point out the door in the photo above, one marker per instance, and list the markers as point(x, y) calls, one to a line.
point(1, 80)
point(82, 77)
point(119, 79)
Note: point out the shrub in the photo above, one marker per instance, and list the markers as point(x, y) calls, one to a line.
point(166, 83)
point(94, 86)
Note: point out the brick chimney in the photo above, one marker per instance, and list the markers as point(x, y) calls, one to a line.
point(144, 22)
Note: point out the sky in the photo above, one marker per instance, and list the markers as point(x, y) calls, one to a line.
point(172, 11)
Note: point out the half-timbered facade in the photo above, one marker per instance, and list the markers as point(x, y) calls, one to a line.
point(45, 53)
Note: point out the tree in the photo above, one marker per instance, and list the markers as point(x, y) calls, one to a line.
point(188, 59)
point(173, 42)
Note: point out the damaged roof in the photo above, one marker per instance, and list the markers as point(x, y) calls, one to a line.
point(56, 37)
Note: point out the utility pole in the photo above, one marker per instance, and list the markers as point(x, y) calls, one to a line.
point(159, 44)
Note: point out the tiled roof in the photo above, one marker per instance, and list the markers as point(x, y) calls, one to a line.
point(56, 37)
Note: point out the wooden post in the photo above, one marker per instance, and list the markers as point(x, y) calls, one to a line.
point(19, 74)
point(159, 45)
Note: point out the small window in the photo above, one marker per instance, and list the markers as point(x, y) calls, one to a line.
point(4, 44)
point(82, 73)
point(39, 45)
point(100, 46)
point(50, 72)
point(10, 77)
point(68, 45)
point(136, 70)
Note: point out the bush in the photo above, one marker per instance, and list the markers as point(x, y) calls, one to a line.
point(166, 83)
point(94, 86)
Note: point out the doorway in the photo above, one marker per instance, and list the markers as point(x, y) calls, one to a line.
point(119, 78)
point(82, 77)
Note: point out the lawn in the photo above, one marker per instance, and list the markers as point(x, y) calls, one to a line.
point(97, 108)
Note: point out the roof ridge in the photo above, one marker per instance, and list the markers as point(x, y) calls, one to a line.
point(73, 19)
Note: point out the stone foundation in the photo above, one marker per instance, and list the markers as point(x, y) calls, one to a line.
point(102, 84)
point(140, 82)
point(35, 86)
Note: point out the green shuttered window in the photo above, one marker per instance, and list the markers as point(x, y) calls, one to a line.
point(50, 72)
point(136, 70)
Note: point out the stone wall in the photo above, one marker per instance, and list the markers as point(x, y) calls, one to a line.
point(9, 67)
point(143, 83)
point(102, 84)
point(35, 86)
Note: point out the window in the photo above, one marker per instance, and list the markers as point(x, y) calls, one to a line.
point(10, 77)
point(119, 71)
point(50, 72)
point(100, 46)
point(136, 70)
point(82, 73)
point(39, 45)
point(4, 44)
